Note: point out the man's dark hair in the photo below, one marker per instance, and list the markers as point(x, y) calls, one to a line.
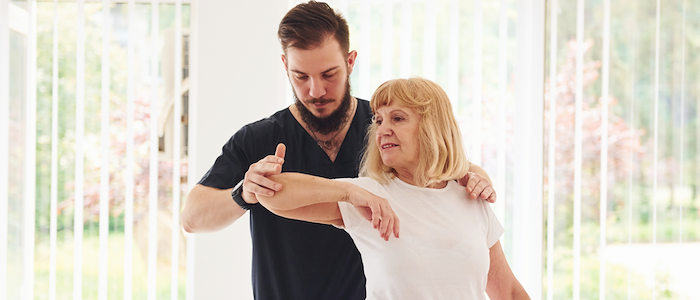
point(308, 25)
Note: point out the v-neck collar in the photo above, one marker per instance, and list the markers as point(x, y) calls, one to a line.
point(342, 144)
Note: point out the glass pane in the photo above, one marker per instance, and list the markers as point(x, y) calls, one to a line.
point(165, 163)
point(44, 73)
point(17, 148)
point(92, 146)
point(691, 113)
point(67, 22)
point(117, 152)
point(141, 38)
point(631, 154)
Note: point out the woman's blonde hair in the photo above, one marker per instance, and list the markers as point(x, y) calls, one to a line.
point(441, 154)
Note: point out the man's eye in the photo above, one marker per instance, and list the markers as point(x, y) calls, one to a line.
point(328, 75)
point(302, 77)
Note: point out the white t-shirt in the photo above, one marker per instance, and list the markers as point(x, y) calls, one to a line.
point(443, 247)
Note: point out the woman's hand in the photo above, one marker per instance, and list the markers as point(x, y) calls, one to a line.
point(376, 210)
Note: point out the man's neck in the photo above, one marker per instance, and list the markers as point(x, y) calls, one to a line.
point(331, 142)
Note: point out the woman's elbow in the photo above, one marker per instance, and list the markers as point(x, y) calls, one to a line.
point(274, 203)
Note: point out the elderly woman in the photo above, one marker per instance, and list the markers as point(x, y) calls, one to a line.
point(449, 246)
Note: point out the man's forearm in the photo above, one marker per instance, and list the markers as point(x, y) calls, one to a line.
point(209, 209)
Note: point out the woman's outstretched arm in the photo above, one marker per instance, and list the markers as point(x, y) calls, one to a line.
point(315, 199)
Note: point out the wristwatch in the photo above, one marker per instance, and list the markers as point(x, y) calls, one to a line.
point(237, 195)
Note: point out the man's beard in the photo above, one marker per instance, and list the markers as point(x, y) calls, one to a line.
point(328, 124)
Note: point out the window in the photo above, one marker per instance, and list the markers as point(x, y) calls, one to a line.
point(621, 140)
point(93, 206)
point(17, 160)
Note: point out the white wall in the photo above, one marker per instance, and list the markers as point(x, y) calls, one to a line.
point(240, 79)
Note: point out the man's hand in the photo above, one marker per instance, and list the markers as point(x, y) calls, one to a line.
point(377, 210)
point(478, 187)
point(256, 181)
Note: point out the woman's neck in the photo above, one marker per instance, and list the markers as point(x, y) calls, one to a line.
point(407, 177)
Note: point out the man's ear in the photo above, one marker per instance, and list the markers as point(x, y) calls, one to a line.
point(284, 62)
point(351, 60)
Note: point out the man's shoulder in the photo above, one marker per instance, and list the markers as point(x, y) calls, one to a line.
point(363, 109)
point(266, 125)
point(362, 103)
point(276, 119)
point(262, 134)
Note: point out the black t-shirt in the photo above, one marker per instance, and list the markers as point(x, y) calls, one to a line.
point(296, 259)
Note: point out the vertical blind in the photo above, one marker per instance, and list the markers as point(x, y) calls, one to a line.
point(592, 147)
point(91, 162)
point(621, 142)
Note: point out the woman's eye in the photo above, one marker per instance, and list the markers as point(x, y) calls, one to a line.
point(397, 119)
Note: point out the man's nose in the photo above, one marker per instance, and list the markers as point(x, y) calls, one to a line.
point(317, 89)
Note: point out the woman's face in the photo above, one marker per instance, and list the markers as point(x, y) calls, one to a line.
point(397, 137)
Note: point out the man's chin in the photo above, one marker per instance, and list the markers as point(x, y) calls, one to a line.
point(325, 118)
point(320, 113)
point(318, 110)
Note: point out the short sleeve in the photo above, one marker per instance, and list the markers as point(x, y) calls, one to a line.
point(248, 145)
point(494, 229)
point(351, 217)
point(231, 165)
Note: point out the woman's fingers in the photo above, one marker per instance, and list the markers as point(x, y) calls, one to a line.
point(376, 217)
point(378, 211)
point(389, 228)
point(396, 227)
point(384, 224)
point(388, 222)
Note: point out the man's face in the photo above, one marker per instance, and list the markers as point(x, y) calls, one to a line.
point(319, 78)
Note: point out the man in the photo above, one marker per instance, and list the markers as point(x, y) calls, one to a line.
point(324, 135)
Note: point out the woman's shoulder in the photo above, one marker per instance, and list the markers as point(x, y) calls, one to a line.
point(363, 182)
